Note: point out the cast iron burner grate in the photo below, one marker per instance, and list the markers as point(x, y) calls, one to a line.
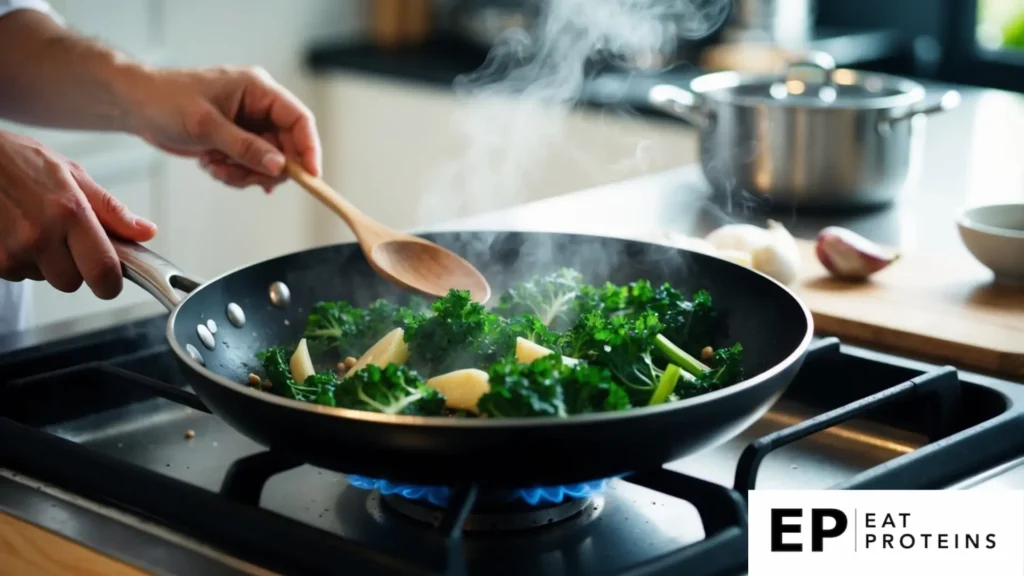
point(537, 496)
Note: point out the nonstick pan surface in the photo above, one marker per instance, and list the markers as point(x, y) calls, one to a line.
point(773, 326)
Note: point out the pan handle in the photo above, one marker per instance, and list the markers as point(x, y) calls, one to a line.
point(152, 273)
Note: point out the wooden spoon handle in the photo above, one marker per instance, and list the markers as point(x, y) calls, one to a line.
point(364, 227)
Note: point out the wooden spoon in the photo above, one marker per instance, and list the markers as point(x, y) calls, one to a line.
point(406, 260)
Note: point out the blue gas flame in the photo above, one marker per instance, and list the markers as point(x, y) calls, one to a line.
point(439, 495)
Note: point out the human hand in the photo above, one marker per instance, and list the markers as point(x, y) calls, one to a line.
point(54, 218)
point(237, 121)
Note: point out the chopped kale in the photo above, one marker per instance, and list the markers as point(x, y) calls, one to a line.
point(391, 390)
point(635, 344)
point(549, 387)
point(346, 330)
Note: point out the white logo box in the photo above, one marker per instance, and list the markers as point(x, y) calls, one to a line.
point(900, 532)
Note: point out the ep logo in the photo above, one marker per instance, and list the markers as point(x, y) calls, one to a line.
point(824, 523)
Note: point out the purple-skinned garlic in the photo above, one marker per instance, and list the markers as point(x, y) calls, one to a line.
point(846, 254)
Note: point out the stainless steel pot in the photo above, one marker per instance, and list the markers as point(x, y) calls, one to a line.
point(814, 136)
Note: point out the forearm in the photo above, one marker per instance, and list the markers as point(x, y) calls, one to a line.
point(50, 76)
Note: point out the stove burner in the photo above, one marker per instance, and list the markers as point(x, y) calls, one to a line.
point(494, 517)
point(439, 495)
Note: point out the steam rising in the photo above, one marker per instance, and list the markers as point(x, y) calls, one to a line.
point(513, 108)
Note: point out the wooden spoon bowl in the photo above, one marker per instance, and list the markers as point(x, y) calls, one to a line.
point(404, 259)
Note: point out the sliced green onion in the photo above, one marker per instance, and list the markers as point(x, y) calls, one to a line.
point(666, 384)
point(679, 356)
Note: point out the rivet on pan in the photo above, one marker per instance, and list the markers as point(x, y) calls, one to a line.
point(235, 315)
point(280, 295)
point(205, 337)
point(211, 326)
point(194, 354)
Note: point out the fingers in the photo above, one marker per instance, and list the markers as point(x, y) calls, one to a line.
point(89, 245)
point(58, 267)
point(293, 121)
point(307, 144)
point(87, 237)
point(240, 177)
point(111, 214)
point(223, 168)
point(50, 223)
point(23, 272)
point(242, 146)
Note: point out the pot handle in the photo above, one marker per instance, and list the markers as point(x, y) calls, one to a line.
point(949, 101)
point(153, 273)
point(681, 103)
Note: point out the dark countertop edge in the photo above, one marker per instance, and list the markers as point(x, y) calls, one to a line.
point(441, 59)
point(25, 342)
point(114, 537)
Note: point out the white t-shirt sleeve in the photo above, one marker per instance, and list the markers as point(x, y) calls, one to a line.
point(8, 6)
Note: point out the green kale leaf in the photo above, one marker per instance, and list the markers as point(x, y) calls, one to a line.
point(346, 330)
point(275, 366)
point(459, 333)
point(549, 387)
point(623, 344)
point(318, 388)
point(550, 298)
point(392, 390)
point(726, 369)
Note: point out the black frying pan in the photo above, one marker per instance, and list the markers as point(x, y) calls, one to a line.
point(774, 327)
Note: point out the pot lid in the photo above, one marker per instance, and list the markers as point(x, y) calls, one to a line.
point(811, 85)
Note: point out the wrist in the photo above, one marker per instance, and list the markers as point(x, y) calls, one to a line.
point(129, 82)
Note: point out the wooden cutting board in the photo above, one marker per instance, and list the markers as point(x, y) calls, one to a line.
point(944, 310)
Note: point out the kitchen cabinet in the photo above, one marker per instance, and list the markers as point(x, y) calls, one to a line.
point(400, 151)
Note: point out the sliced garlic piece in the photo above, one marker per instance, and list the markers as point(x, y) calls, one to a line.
point(391, 349)
point(462, 389)
point(527, 351)
point(300, 363)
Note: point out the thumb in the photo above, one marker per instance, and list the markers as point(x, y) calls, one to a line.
point(112, 214)
point(244, 147)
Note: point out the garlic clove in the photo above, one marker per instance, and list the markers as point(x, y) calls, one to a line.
point(741, 237)
point(846, 254)
point(779, 256)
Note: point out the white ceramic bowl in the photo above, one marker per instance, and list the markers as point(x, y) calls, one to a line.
point(994, 234)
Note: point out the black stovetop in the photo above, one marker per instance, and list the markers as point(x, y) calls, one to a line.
point(106, 418)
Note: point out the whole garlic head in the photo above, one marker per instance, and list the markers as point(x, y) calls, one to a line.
point(779, 255)
point(741, 237)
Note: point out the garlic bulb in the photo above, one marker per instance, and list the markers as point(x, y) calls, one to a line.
point(741, 237)
point(772, 251)
point(779, 255)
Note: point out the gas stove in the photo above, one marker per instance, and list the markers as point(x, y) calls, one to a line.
point(104, 442)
